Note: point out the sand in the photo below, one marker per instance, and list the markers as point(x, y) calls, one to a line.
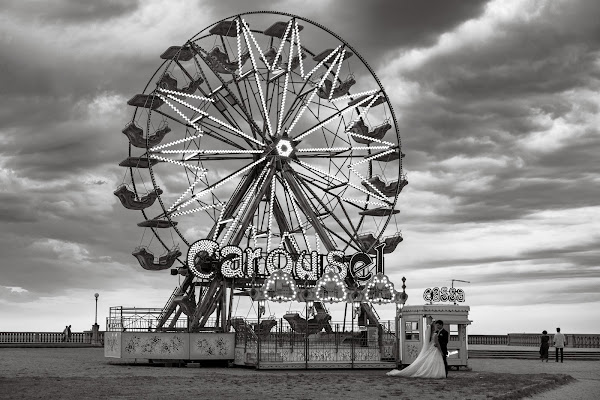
point(84, 373)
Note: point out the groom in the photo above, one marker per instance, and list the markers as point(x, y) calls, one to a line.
point(443, 340)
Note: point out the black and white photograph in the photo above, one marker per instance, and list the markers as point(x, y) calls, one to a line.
point(298, 199)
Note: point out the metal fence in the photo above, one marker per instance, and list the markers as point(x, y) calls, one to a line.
point(132, 319)
point(281, 344)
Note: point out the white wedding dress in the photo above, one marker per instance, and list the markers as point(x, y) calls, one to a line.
point(429, 362)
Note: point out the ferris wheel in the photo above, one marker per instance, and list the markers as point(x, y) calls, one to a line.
point(264, 130)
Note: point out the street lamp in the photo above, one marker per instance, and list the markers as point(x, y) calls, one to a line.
point(96, 295)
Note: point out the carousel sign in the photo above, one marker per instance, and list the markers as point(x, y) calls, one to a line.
point(204, 257)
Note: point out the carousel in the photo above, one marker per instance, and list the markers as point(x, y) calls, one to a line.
point(265, 160)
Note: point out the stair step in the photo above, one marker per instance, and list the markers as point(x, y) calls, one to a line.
point(528, 354)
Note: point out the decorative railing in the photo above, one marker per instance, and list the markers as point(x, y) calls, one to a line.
point(48, 337)
point(584, 341)
point(493, 340)
point(590, 341)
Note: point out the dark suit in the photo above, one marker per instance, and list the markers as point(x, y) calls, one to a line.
point(443, 341)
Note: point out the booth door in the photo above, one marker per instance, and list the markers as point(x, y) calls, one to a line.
point(412, 336)
point(457, 348)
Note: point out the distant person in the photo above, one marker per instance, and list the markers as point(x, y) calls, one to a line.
point(65, 334)
point(69, 333)
point(560, 341)
point(544, 346)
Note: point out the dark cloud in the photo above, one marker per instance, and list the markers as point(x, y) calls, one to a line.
point(72, 11)
point(16, 208)
point(375, 27)
point(572, 261)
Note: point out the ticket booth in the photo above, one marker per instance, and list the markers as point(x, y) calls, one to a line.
point(412, 323)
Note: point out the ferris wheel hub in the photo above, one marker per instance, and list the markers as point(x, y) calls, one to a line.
point(284, 148)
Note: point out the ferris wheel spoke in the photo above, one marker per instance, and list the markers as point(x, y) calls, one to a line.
point(192, 123)
point(332, 117)
point(324, 155)
point(282, 223)
point(194, 210)
point(181, 164)
point(287, 74)
point(350, 243)
point(233, 203)
point(366, 181)
point(298, 99)
point(172, 118)
point(318, 170)
point(341, 149)
point(204, 114)
point(181, 114)
point(244, 217)
point(315, 89)
point(314, 177)
point(246, 109)
point(246, 113)
point(203, 55)
point(270, 221)
point(294, 202)
point(374, 156)
point(306, 206)
point(246, 31)
point(352, 235)
point(185, 193)
point(221, 182)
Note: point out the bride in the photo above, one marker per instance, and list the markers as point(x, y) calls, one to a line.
point(429, 363)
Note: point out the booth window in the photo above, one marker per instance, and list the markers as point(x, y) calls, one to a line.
point(454, 333)
point(411, 330)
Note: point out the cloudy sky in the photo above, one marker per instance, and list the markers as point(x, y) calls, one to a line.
point(497, 105)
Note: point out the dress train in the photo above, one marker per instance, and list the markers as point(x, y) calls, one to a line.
point(428, 364)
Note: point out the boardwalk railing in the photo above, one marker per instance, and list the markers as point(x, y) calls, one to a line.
point(589, 341)
point(575, 340)
point(48, 337)
point(489, 339)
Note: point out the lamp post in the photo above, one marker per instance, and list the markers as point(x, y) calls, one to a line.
point(96, 295)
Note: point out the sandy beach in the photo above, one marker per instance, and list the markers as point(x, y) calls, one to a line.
point(86, 374)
